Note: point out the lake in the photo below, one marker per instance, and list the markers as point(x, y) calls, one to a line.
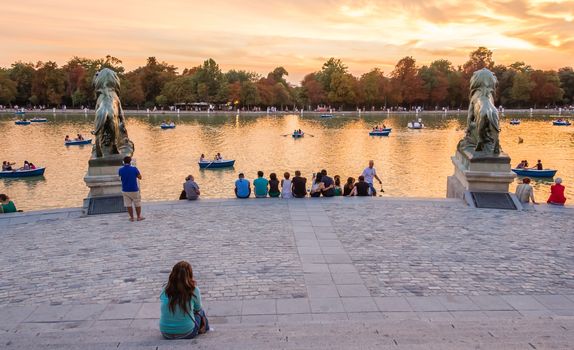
point(411, 163)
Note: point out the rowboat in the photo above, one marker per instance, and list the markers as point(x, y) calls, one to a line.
point(20, 112)
point(380, 133)
point(216, 164)
point(298, 135)
point(326, 116)
point(535, 173)
point(515, 122)
point(22, 173)
point(39, 120)
point(22, 122)
point(78, 142)
point(415, 125)
point(561, 123)
point(167, 126)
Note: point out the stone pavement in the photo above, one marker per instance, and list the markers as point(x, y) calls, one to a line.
point(371, 263)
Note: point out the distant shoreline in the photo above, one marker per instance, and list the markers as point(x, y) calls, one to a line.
point(205, 113)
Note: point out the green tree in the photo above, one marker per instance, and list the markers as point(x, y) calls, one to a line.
point(343, 90)
point(521, 88)
point(479, 58)
point(373, 86)
point(407, 83)
point(546, 89)
point(249, 95)
point(331, 67)
point(566, 76)
point(23, 74)
point(312, 92)
point(209, 79)
point(8, 88)
point(48, 84)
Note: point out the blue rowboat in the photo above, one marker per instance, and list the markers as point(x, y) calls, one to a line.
point(326, 116)
point(20, 113)
point(216, 164)
point(167, 126)
point(535, 173)
point(22, 173)
point(78, 142)
point(380, 133)
point(387, 129)
point(561, 123)
point(22, 122)
point(39, 120)
point(297, 135)
point(514, 122)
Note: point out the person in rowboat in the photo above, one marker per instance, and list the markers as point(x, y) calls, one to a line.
point(67, 139)
point(202, 158)
point(7, 166)
point(521, 165)
point(26, 166)
point(538, 165)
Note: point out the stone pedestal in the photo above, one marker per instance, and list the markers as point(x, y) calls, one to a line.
point(479, 173)
point(102, 177)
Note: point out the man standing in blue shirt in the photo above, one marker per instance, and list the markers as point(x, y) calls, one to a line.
point(242, 187)
point(130, 189)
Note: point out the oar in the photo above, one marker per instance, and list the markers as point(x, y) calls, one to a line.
point(209, 164)
point(310, 135)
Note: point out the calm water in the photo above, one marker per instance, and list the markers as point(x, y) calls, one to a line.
point(413, 163)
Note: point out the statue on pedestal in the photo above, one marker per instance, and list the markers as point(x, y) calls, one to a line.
point(109, 129)
point(483, 125)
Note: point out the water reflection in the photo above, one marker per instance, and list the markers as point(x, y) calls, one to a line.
point(410, 162)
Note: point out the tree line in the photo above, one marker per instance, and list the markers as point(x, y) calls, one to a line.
point(158, 84)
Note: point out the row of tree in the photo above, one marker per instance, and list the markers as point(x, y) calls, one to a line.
point(437, 85)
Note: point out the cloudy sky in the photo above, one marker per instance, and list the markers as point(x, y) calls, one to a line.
point(298, 34)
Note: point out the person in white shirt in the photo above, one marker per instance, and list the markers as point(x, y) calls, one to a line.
point(370, 173)
point(525, 192)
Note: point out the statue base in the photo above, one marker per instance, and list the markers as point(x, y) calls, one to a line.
point(102, 178)
point(474, 172)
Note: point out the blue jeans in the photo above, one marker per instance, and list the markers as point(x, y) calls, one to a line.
point(373, 191)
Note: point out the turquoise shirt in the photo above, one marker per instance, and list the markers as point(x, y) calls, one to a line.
point(178, 322)
point(9, 208)
point(260, 185)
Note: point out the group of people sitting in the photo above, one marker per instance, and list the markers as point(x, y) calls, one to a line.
point(6, 205)
point(297, 132)
point(79, 137)
point(524, 165)
point(321, 185)
point(7, 166)
point(525, 192)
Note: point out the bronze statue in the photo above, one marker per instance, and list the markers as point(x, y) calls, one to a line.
point(110, 129)
point(483, 126)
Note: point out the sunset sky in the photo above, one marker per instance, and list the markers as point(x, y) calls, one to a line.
point(298, 34)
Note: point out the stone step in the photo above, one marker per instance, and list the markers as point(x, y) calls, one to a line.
point(376, 334)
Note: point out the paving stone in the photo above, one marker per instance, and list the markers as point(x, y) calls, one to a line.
point(503, 314)
point(322, 291)
point(84, 312)
point(224, 307)
point(555, 302)
point(365, 316)
point(147, 323)
point(346, 278)
point(11, 316)
point(458, 303)
point(312, 258)
point(393, 304)
point(330, 317)
point(359, 304)
point(337, 259)
point(294, 318)
point(293, 306)
point(435, 316)
point(491, 303)
point(259, 319)
point(523, 302)
point(315, 268)
point(343, 268)
point(149, 310)
point(259, 307)
point(326, 305)
point(426, 304)
point(468, 315)
point(49, 313)
point(315, 278)
point(353, 290)
point(120, 311)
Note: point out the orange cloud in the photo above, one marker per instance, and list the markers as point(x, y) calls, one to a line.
point(299, 35)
